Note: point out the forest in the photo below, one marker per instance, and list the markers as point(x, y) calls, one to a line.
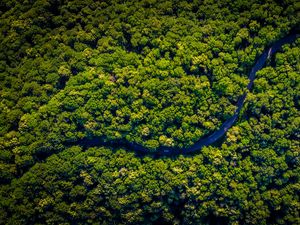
point(159, 74)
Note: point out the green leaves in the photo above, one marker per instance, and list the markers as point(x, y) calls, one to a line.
point(160, 74)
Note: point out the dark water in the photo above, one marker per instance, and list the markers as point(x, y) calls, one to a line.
point(205, 141)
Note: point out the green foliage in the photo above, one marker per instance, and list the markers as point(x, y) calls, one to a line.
point(157, 73)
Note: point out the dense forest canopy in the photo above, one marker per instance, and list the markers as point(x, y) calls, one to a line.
point(157, 73)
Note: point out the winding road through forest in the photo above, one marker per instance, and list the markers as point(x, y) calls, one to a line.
point(205, 141)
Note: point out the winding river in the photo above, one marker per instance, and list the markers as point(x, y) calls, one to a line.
point(205, 141)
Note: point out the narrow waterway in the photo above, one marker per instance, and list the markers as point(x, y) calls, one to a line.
point(205, 141)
